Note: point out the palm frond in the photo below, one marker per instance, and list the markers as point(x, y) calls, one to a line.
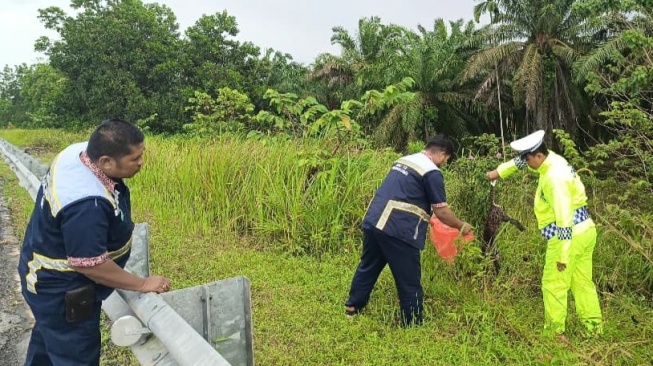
point(490, 6)
point(529, 76)
point(610, 51)
point(398, 126)
point(563, 51)
point(486, 59)
point(342, 37)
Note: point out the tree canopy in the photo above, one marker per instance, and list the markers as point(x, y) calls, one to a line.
point(535, 65)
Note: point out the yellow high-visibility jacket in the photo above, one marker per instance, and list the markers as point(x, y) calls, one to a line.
point(560, 202)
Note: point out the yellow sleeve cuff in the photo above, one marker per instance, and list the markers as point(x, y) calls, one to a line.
point(509, 167)
point(564, 251)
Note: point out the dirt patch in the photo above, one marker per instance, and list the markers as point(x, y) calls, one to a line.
point(15, 318)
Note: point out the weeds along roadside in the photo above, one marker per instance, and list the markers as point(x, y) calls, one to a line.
point(287, 215)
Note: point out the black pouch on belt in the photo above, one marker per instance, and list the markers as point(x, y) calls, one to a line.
point(80, 303)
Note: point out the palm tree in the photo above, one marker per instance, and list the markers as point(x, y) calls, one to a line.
point(433, 59)
point(534, 43)
point(337, 77)
point(623, 19)
point(491, 7)
point(611, 63)
point(367, 48)
point(360, 55)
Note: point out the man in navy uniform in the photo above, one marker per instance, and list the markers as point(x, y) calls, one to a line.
point(77, 243)
point(395, 225)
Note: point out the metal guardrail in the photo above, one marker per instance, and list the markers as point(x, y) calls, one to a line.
point(157, 333)
point(26, 169)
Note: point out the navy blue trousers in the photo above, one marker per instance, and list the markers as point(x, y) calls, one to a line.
point(380, 249)
point(55, 342)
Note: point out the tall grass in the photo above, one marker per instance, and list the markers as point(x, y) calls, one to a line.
point(43, 143)
point(287, 217)
point(269, 191)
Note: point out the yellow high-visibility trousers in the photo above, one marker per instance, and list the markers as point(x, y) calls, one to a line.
point(577, 277)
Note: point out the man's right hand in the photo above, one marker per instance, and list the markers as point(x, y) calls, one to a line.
point(156, 284)
point(111, 275)
point(493, 175)
point(465, 228)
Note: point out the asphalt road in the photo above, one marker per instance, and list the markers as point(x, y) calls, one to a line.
point(15, 318)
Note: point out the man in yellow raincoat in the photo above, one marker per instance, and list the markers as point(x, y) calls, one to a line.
point(560, 207)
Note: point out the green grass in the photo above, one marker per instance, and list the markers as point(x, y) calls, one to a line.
point(18, 200)
point(44, 144)
point(223, 208)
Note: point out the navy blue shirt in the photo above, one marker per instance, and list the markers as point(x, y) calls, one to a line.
point(86, 232)
point(402, 205)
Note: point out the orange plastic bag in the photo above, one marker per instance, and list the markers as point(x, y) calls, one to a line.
point(444, 239)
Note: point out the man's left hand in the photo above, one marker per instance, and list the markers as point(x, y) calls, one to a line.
point(561, 266)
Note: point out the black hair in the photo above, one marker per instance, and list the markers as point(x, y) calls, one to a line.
point(115, 138)
point(440, 143)
point(540, 149)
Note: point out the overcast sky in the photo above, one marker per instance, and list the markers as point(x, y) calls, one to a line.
point(301, 28)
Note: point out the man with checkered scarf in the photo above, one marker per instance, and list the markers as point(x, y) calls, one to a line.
point(560, 207)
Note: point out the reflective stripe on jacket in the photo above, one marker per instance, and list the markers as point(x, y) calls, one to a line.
point(560, 202)
point(400, 208)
